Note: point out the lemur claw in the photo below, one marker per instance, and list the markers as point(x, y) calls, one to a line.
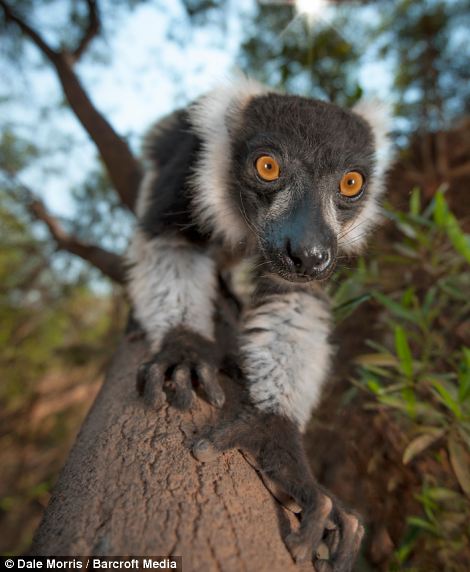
point(185, 359)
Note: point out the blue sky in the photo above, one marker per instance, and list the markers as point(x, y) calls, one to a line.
point(144, 76)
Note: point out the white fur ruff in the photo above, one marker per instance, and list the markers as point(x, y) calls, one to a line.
point(286, 354)
point(211, 117)
point(379, 117)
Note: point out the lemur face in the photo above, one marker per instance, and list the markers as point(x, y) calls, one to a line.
point(299, 178)
point(301, 175)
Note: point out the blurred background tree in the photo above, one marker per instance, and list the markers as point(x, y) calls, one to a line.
point(81, 81)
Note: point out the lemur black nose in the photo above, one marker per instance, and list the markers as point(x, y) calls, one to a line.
point(309, 261)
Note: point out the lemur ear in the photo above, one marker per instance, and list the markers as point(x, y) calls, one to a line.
point(379, 116)
point(219, 110)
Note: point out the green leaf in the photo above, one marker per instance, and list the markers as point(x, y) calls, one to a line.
point(446, 398)
point(374, 386)
point(395, 308)
point(379, 359)
point(441, 494)
point(464, 376)
point(460, 241)
point(394, 402)
point(415, 201)
point(409, 398)
point(441, 209)
point(342, 311)
point(404, 353)
point(421, 523)
point(420, 444)
point(460, 461)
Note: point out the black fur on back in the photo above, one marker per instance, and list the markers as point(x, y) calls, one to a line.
point(172, 148)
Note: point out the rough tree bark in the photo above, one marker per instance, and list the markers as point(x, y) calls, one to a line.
point(132, 487)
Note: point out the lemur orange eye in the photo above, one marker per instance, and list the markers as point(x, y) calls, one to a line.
point(351, 184)
point(268, 168)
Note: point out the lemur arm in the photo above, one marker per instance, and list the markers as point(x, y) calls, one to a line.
point(173, 284)
point(285, 357)
point(172, 278)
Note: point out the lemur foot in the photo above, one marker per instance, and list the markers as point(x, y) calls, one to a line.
point(185, 361)
point(328, 535)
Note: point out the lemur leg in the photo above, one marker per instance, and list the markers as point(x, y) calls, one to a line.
point(273, 445)
point(173, 284)
point(285, 361)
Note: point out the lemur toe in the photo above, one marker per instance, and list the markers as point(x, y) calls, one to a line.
point(185, 362)
point(346, 542)
point(207, 378)
point(205, 451)
point(323, 566)
point(149, 383)
point(180, 388)
point(301, 551)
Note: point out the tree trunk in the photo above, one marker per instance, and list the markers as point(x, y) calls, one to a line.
point(132, 487)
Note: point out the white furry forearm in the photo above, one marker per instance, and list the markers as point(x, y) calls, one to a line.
point(286, 354)
point(171, 284)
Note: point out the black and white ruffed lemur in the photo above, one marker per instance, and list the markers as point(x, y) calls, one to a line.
point(289, 183)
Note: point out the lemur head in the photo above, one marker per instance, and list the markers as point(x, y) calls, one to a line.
point(299, 176)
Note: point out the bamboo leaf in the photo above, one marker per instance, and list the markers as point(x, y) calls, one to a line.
point(464, 376)
point(441, 494)
point(440, 209)
point(460, 241)
point(395, 308)
point(447, 399)
point(420, 444)
point(404, 353)
point(460, 461)
point(380, 359)
point(421, 523)
point(415, 202)
point(342, 311)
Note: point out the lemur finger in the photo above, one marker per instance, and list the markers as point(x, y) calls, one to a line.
point(315, 512)
point(348, 564)
point(207, 377)
point(323, 566)
point(149, 384)
point(332, 539)
point(351, 535)
point(180, 388)
point(224, 437)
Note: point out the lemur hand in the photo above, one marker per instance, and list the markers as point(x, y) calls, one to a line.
point(328, 535)
point(185, 361)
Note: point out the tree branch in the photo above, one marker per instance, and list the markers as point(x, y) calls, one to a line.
point(110, 264)
point(131, 486)
point(460, 171)
point(123, 168)
point(27, 30)
point(91, 31)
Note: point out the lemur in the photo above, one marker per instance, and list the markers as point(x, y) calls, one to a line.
point(289, 183)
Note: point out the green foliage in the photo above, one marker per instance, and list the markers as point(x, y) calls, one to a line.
point(283, 49)
point(15, 152)
point(420, 373)
point(425, 38)
point(100, 217)
point(40, 314)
